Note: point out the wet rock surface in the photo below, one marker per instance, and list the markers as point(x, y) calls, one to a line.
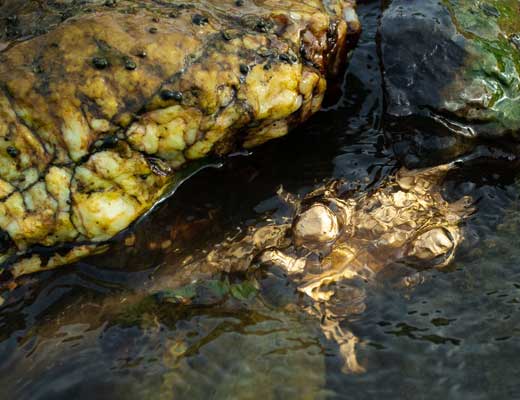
point(451, 75)
point(23, 20)
point(105, 104)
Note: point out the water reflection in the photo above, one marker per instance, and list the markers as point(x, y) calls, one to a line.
point(94, 328)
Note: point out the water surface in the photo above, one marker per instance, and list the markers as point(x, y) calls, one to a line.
point(90, 330)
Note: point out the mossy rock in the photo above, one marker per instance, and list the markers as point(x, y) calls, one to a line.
point(452, 67)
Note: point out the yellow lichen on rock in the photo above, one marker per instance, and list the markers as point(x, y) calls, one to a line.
point(99, 113)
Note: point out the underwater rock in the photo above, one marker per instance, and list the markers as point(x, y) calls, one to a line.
point(332, 238)
point(451, 68)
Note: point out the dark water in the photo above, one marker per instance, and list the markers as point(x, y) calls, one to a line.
point(88, 331)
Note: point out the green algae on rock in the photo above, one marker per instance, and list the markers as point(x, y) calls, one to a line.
point(486, 92)
point(453, 67)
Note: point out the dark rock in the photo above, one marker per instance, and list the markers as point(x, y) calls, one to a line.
point(451, 68)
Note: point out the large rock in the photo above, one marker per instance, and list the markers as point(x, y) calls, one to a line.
point(451, 67)
point(103, 105)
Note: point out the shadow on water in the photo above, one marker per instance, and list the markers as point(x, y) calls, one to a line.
point(92, 330)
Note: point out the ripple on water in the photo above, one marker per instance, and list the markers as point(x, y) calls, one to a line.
point(89, 329)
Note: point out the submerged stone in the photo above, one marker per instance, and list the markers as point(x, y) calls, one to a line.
point(333, 242)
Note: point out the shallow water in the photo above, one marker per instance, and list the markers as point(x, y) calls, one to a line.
point(92, 330)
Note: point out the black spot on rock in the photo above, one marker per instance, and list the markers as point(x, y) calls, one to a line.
point(13, 151)
point(200, 20)
point(100, 62)
point(244, 69)
point(168, 95)
point(130, 65)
